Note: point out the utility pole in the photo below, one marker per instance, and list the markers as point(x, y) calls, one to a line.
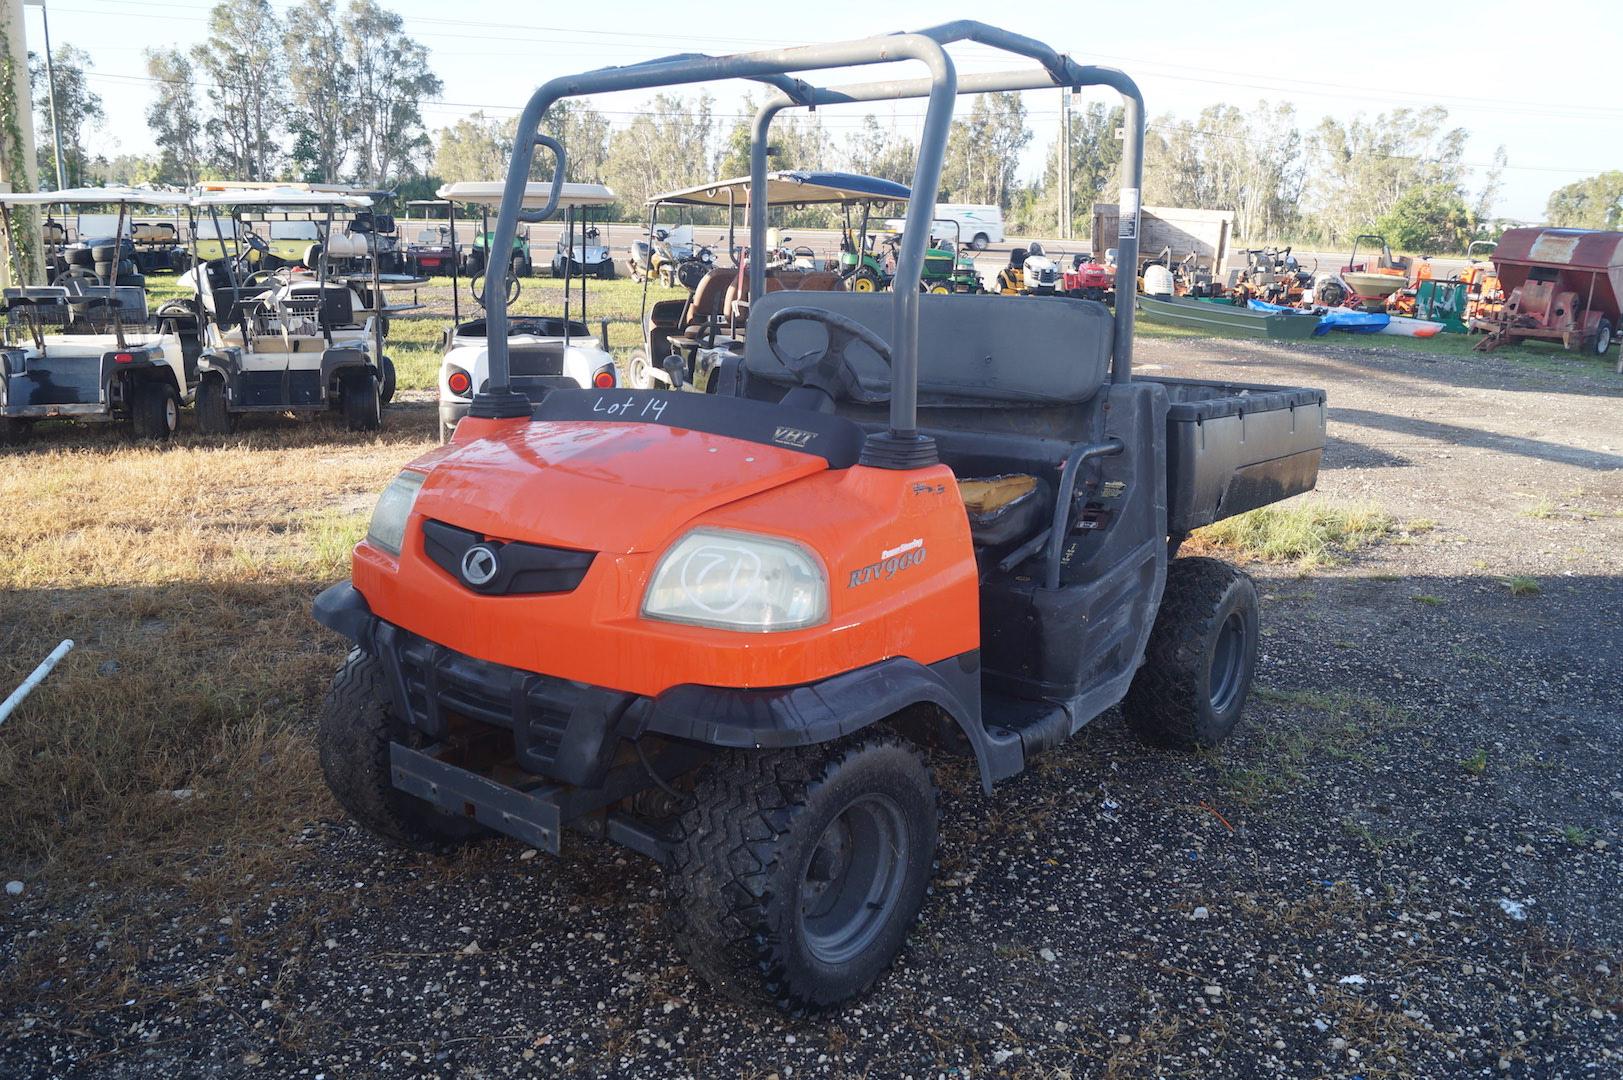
point(1065, 163)
point(50, 88)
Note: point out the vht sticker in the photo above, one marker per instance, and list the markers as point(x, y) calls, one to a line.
point(891, 563)
point(793, 437)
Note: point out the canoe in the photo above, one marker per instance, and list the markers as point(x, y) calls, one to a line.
point(1227, 319)
point(1352, 322)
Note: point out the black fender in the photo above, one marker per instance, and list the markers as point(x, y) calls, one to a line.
point(147, 364)
point(343, 358)
point(819, 712)
point(342, 609)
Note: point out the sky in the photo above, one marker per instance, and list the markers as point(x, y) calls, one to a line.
point(1555, 110)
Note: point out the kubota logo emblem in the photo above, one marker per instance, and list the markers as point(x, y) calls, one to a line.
point(479, 565)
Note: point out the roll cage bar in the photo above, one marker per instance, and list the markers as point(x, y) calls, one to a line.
point(902, 446)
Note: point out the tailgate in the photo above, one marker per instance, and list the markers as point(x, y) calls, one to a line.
point(1232, 447)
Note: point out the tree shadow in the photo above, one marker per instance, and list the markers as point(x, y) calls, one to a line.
point(1456, 435)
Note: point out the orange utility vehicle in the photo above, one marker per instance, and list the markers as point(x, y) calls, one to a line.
point(725, 629)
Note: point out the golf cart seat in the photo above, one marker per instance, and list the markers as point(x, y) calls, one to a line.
point(699, 318)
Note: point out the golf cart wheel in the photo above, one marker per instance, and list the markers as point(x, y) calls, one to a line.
point(639, 371)
point(358, 399)
point(154, 410)
point(865, 280)
point(1200, 660)
point(14, 432)
point(797, 874)
point(605, 270)
point(386, 381)
point(519, 266)
point(979, 242)
point(213, 412)
point(352, 741)
point(1603, 338)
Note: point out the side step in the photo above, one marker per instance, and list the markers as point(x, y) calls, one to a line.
point(1040, 725)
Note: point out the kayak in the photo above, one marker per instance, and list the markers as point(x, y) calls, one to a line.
point(1403, 326)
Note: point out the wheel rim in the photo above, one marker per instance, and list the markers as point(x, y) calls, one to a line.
point(862, 284)
point(1228, 662)
point(171, 413)
point(853, 880)
point(639, 372)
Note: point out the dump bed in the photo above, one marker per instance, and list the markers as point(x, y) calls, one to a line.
point(1232, 447)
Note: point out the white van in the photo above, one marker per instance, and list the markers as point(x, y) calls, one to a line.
point(978, 225)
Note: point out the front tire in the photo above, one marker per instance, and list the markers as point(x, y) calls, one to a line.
point(797, 874)
point(1201, 657)
point(154, 410)
point(213, 412)
point(639, 373)
point(358, 399)
point(352, 741)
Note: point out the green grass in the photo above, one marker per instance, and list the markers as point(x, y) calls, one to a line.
point(1427, 599)
point(1335, 725)
point(1477, 763)
point(1521, 585)
point(1310, 535)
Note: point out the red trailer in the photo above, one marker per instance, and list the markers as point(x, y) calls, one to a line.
point(1561, 285)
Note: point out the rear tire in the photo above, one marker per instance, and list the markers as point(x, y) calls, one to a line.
point(980, 242)
point(154, 410)
point(14, 432)
point(797, 874)
point(358, 399)
point(352, 741)
point(213, 411)
point(1201, 657)
point(1603, 338)
point(386, 383)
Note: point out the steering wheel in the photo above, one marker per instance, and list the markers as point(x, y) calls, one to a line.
point(826, 370)
point(258, 276)
point(476, 285)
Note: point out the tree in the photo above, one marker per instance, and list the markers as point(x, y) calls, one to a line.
point(77, 107)
point(1593, 203)
point(477, 147)
point(1427, 219)
point(1095, 165)
point(879, 151)
point(667, 146)
point(983, 151)
point(1361, 168)
point(245, 87)
point(391, 79)
point(174, 118)
point(321, 82)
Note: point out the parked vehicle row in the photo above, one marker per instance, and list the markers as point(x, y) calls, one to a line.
point(255, 334)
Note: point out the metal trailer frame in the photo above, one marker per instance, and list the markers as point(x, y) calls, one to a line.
point(902, 446)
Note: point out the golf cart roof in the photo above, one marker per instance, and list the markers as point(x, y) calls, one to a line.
point(792, 186)
point(96, 195)
point(374, 193)
point(278, 196)
point(536, 193)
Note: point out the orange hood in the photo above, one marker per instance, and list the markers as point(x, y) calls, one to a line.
point(598, 485)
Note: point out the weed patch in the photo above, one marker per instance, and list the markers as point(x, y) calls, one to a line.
point(1310, 535)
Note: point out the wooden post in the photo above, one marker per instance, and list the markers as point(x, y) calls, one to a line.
point(18, 168)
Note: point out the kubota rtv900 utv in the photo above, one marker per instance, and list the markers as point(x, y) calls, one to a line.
point(724, 629)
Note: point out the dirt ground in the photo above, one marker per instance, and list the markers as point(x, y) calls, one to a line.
point(1406, 863)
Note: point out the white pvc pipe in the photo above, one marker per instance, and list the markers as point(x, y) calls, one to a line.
point(35, 679)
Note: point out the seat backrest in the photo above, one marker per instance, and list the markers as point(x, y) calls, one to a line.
point(710, 297)
point(1033, 350)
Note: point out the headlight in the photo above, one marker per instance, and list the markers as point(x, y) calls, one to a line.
point(388, 528)
point(738, 581)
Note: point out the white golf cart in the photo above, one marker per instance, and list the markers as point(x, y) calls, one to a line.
point(545, 351)
point(84, 347)
point(283, 339)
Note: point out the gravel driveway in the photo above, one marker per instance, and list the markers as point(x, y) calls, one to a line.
point(1405, 864)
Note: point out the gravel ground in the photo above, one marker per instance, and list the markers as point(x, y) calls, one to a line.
point(1405, 864)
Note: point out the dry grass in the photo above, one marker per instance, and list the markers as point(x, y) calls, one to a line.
point(185, 576)
point(1307, 534)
